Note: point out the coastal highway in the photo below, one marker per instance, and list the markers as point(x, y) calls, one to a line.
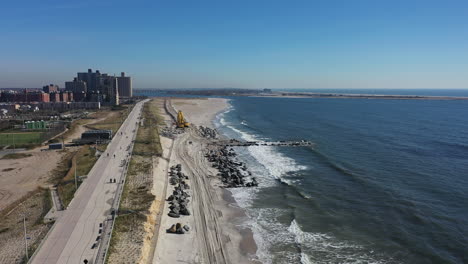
point(77, 229)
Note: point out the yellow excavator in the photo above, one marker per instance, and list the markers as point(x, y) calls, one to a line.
point(181, 123)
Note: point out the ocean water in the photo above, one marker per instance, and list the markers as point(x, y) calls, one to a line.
point(387, 181)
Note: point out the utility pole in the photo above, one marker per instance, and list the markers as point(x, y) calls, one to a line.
point(76, 165)
point(25, 237)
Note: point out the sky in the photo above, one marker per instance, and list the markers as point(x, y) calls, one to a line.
point(237, 43)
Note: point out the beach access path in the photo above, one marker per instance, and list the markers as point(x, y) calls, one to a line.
point(74, 233)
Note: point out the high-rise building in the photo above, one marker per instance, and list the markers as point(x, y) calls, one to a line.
point(108, 87)
point(50, 88)
point(91, 79)
point(125, 85)
point(99, 86)
point(76, 86)
point(79, 96)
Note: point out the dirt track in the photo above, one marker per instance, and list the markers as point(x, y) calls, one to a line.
point(205, 215)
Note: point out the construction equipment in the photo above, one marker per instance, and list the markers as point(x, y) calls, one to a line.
point(181, 123)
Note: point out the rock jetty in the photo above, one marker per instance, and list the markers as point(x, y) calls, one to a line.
point(233, 172)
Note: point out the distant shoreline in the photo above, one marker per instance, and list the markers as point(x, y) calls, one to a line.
point(358, 96)
point(286, 94)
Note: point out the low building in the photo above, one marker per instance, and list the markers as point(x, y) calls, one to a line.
point(10, 107)
point(97, 135)
point(24, 96)
point(36, 125)
point(66, 96)
point(54, 97)
point(65, 106)
point(55, 146)
point(85, 105)
point(71, 98)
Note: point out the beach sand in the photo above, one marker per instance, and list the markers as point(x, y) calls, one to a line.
point(214, 236)
point(18, 177)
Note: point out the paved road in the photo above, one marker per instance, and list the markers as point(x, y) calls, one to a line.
point(77, 229)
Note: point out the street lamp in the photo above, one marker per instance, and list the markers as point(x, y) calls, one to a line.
point(25, 237)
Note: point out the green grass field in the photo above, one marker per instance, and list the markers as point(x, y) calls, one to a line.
point(20, 138)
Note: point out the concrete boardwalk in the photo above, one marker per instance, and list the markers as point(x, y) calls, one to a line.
point(75, 232)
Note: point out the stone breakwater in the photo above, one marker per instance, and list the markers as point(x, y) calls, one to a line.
point(179, 199)
point(207, 132)
point(233, 172)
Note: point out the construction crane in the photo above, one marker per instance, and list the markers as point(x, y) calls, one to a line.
point(181, 123)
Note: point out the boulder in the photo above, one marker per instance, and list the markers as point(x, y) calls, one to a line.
point(171, 214)
point(184, 211)
point(172, 229)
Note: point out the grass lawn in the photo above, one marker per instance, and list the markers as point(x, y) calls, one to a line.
point(114, 119)
point(20, 138)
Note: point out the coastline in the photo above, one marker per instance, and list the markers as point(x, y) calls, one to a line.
point(358, 96)
point(235, 216)
point(216, 233)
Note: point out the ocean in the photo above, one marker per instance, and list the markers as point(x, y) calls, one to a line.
point(387, 181)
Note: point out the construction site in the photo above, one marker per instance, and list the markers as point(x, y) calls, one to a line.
point(160, 183)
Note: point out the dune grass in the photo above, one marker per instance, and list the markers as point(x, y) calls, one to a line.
point(136, 196)
point(64, 175)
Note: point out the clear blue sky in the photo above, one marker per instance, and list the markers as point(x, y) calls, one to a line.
point(238, 43)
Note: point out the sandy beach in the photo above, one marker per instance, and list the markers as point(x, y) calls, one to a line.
point(21, 176)
point(214, 236)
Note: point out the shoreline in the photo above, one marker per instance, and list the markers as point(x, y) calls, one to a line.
point(359, 96)
point(211, 93)
point(236, 214)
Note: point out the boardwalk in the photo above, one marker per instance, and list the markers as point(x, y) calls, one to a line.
point(78, 229)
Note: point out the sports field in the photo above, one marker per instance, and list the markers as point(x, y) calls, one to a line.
point(20, 138)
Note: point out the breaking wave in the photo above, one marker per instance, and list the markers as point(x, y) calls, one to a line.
point(328, 248)
point(277, 164)
point(270, 167)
